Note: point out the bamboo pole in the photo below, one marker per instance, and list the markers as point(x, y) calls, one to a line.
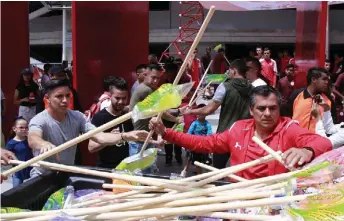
point(183, 67)
point(194, 101)
point(199, 208)
point(199, 84)
point(268, 149)
point(232, 176)
point(68, 144)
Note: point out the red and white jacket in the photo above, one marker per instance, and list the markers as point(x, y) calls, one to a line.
point(269, 70)
point(238, 141)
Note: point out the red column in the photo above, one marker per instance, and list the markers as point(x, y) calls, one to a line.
point(14, 51)
point(109, 38)
point(311, 20)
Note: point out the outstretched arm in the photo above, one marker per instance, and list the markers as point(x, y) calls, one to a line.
point(216, 143)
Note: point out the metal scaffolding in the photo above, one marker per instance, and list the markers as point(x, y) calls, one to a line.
point(191, 16)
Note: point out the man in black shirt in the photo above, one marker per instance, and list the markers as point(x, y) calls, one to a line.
point(111, 156)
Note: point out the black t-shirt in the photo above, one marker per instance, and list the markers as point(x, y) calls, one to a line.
point(25, 91)
point(111, 156)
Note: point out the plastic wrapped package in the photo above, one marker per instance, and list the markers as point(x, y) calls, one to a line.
point(64, 217)
point(13, 210)
point(327, 205)
point(167, 96)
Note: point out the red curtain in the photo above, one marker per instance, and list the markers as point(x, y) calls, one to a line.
point(109, 38)
point(14, 53)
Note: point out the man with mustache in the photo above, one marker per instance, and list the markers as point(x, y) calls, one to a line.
point(298, 145)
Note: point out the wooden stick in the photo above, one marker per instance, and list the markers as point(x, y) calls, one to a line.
point(183, 67)
point(199, 208)
point(224, 198)
point(235, 168)
point(131, 187)
point(231, 170)
point(226, 59)
point(232, 176)
point(162, 199)
point(74, 169)
point(194, 101)
point(199, 84)
point(268, 149)
point(219, 215)
point(68, 144)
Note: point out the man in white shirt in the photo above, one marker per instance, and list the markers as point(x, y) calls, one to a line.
point(326, 126)
point(253, 73)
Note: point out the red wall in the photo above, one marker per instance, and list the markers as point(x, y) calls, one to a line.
point(310, 38)
point(14, 52)
point(109, 38)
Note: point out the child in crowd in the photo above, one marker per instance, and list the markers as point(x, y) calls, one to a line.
point(203, 128)
point(20, 147)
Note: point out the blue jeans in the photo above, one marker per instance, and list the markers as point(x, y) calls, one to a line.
point(135, 148)
point(16, 181)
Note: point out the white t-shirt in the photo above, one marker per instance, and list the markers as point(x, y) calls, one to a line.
point(220, 93)
point(105, 103)
point(258, 82)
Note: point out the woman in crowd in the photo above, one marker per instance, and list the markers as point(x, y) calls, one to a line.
point(25, 95)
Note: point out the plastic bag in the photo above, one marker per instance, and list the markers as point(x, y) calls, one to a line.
point(216, 78)
point(13, 210)
point(335, 156)
point(167, 96)
point(327, 205)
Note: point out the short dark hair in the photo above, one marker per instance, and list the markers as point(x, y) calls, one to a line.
point(201, 105)
point(327, 61)
point(221, 50)
point(315, 73)
point(154, 66)
point(178, 60)
point(120, 84)
point(256, 62)
point(140, 67)
point(55, 83)
point(108, 82)
point(240, 65)
point(264, 91)
point(46, 67)
point(266, 49)
point(258, 46)
point(290, 66)
point(171, 68)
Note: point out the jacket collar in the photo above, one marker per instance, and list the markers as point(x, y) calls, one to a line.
point(306, 94)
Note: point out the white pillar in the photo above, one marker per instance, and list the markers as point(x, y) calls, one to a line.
point(64, 34)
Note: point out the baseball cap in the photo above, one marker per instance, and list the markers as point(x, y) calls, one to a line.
point(57, 69)
point(26, 71)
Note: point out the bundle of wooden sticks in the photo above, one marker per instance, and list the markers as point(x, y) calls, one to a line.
point(188, 196)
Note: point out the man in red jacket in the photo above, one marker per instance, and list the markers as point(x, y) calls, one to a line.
point(298, 145)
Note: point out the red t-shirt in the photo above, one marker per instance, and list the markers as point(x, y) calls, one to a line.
point(269, 70)
point(195, 71)
point(219, 64)
point(284, 63)
point(188, 118)
point(286, 88)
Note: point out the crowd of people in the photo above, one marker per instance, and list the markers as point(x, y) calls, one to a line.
point(259, 99)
